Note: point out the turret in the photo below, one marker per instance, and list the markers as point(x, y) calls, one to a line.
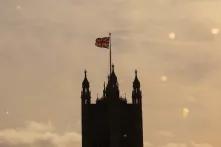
point(85, 93)
point(136, 93)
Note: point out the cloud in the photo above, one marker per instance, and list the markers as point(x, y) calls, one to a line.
point(147, 144)
point(175, 145)
point(165, 133)
point(201, 144)
point(172, 144)
point(37, 134)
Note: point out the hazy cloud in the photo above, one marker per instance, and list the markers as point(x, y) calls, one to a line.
point(38, 135)
point(165, 133)
point(187, 145)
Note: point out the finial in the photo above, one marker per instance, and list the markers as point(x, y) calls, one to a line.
point(135, 72)
point(112, 67)
point(85, 73)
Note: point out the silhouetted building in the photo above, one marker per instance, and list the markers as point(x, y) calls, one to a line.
point(111, 121)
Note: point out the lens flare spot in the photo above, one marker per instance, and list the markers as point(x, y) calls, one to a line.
point(215, 31)
point(172, 35)
point(185, 112)
point(164, 78)
point(18, 7)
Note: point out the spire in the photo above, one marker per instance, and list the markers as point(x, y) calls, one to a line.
point(113, 77)
point(85, 93)
point(112, 90)
point(136, 94)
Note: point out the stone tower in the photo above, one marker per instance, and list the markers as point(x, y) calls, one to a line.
point(112, 121)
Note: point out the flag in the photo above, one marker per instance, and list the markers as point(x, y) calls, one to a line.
point(103, 42)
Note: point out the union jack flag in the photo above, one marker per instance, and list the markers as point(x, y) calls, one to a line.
point(103, 42)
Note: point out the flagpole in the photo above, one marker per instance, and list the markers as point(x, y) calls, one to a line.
point(110, 52)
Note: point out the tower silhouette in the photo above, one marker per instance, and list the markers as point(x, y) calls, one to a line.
point(111, 121)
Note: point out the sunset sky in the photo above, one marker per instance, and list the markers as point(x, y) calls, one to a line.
point(45, 45)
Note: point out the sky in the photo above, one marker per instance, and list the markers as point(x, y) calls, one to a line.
point(46, 45)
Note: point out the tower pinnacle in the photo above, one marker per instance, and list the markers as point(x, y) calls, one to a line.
point(136, 83)
point(85, 93)
point(136, 94)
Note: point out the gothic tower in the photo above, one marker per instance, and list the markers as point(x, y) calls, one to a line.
point(112, 121)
